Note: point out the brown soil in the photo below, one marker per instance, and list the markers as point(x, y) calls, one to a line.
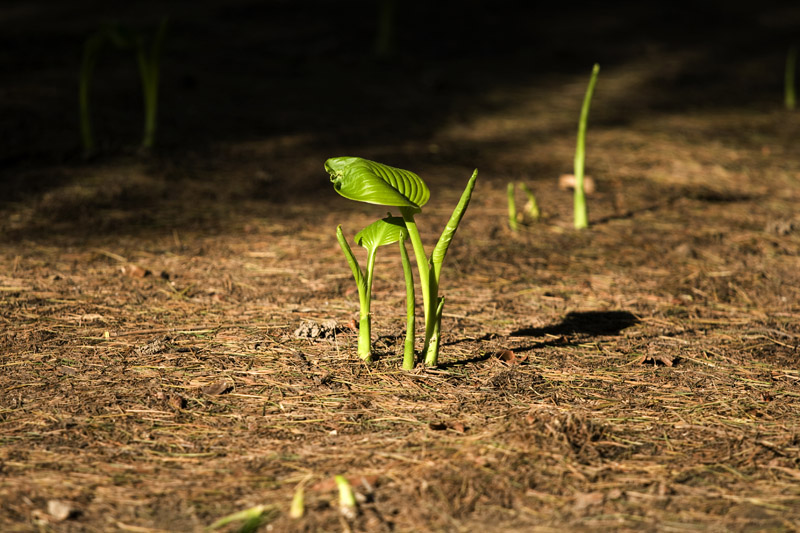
point(641, 375)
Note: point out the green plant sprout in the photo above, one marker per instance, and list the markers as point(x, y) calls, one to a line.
point(253, 518)
point(347, 498)
point(148, 62)
point(580, 214)
point(367, 181)
point(790, 99)
point(380, 233)
point(530, 212)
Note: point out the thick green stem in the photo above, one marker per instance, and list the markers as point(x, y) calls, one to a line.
point(408, 351)
point(580, 213)
point(364, 288)
point(432, 355)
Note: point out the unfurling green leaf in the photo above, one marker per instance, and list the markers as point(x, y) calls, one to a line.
point(375, 183)
point(382, 232)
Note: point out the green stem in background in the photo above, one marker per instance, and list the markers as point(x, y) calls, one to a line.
point(408, 350)
point(364, 329)
point(91, 49)
point(531, 206)
point(149, 71)
point(512, 207)
point(789, 80)
point(580, 213)
point(385, 35)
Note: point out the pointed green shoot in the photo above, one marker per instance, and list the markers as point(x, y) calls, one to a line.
point(512, 207)
point(375, 183)
point(581, 218)
point(439, 252)
point(347, 498)
point(790, 100)
point(433, 316)
point(253, 518)
point(408, 348)
point(298, 508)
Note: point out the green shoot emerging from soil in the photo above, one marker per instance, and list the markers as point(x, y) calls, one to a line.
point(530, 213)
point(148, 62)
point(367, 181)
point(790, 100)
point(580, 213)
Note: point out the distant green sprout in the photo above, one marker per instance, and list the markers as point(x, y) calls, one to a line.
point(530, 212)
point(347, 498)
point(367, 181)
point(148, 62)
point(580, 214)
point(383, 232)
point(790, 99)
point(253, 518)
point(298, 507)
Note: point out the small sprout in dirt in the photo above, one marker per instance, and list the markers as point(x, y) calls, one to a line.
point(298, 508)
point(253, 518)
point(347, 498)
point(148, 62)
point(790, 100)
point(380, 233)
point(367, 181)
point(581, 216)
point(530, 212)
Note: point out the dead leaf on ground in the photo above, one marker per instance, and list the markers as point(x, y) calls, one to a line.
point(509, 357)
point(567, 182)
point(60, 511)
point(217, 388)
point(658, 359)
point(458, 427)
point(135, 271)
point(587, 499)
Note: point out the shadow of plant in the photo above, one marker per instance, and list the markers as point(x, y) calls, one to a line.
point(586, 322)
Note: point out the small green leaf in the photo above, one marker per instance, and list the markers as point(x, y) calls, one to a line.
point(375, 183)
point(382, 232)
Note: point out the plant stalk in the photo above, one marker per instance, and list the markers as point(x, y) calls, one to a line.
point(408, 350)
point(512, 207)
point(579, 210)
point(364, 287)
point(91, 48)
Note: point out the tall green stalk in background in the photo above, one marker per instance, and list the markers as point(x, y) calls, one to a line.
point(148, 62)
point(789, 97)
point(148, 70)
point(580, 212)
point(91, 49)
point(384, 37)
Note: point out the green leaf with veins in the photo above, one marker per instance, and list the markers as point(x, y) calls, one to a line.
point(375, 183)
point(382, 232)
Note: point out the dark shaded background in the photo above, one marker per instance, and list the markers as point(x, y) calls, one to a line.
point(241, 71)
